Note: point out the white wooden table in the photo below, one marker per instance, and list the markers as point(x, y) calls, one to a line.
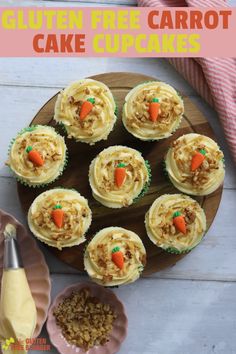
point(189, 308)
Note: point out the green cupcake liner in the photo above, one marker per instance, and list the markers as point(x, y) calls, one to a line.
point(165, 170)
point(174, 250)
point(147, 184)
point(24, 182)
point(116, 110)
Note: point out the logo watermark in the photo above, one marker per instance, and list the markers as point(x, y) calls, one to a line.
point(37, 344)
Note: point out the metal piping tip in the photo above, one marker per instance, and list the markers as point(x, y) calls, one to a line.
point(10, 231)
point(12, 258)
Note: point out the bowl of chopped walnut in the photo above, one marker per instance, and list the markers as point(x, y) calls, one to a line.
point(87, 318)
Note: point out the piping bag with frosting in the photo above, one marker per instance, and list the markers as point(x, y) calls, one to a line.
point(17, 308)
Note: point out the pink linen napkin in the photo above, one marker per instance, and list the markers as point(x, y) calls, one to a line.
point(213, 78)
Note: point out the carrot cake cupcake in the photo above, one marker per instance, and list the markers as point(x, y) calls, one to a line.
point(176, 223)
point(152, 111)
point(87, 110)
point(115, 256)
point(60, 217)
point(195, 164)
point(118, 176)
point(37, 156)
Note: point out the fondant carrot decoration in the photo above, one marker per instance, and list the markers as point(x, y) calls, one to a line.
point(120, 173)
point(154, 108)
point(34, 156)
point(86, 107)
point(179, 222)
point(197, 159)
point(58, 215)
point(117, 257)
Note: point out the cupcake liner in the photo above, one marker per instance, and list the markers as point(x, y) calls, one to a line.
point(147, 184)
point(21, 180)
point(116, 110)
point(62, 127)
point(176, 251)
point(166, 174)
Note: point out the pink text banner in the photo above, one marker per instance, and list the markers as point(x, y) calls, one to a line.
point(113, 32)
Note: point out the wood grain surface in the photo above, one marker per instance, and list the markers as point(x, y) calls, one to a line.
point(80, 156)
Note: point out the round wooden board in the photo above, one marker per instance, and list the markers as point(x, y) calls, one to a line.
point(80, 156)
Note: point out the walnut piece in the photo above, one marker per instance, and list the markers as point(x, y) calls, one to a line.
point(190, 215)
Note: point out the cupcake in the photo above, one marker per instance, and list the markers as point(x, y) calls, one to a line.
point(37, 156)
point(115, 256)
point(175, 222)
point(118, 176)
point(152, 111)
point(195, 164)
point(60, 217)
point(87, 109)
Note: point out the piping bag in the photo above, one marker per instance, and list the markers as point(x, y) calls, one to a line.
point(18, 312)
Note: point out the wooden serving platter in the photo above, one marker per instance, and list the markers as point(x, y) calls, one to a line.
point(81, 154)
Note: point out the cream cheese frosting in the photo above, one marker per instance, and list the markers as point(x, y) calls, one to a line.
point(98, 123)
point(77, 218)
point(136, 116)
point(98, 256)
point(205, 179)
point(102, 180)
point(161, 229)
point(52, 149)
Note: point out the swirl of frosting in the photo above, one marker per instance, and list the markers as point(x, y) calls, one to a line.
point(77, 218)
point(100, 120)
point(136, 116)
point(160, 227)
point(206, 178)
point(98, 256)
point(51, 147)
point(102, 180)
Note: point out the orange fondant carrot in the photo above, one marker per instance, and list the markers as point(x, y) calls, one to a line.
point(197, 159)
point(34, 156)
point(86, 108)
point(154, 109)
point(120, 173)
point(117, 257)
point(58, 215)
point(179, 222)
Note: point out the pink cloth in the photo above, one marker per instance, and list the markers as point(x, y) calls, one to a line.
point(213, 78)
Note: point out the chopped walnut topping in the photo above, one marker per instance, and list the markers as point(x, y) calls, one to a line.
point(71, 100)
point(190, 215)
point(107, 278)
point(84, 320)
point(56, 157)
point(102, 263)
point(128, 254)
